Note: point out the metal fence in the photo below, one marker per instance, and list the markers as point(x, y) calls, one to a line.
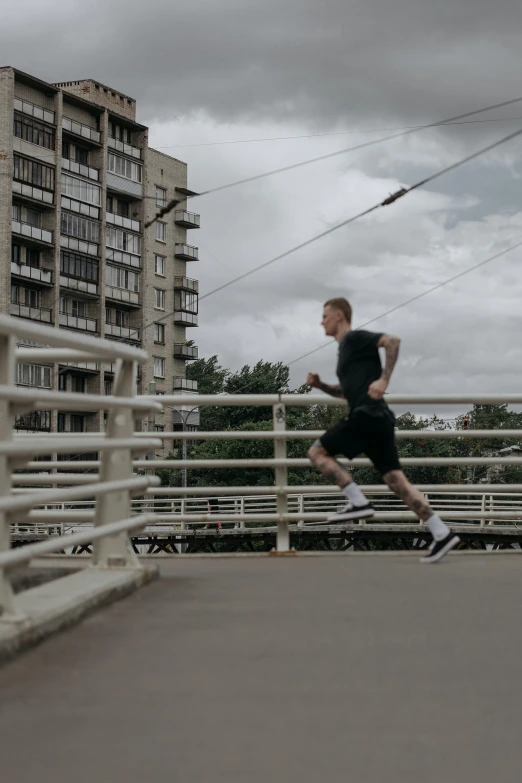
point(280, 505)
point(115, 483)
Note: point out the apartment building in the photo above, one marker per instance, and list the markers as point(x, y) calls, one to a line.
point(78, 181)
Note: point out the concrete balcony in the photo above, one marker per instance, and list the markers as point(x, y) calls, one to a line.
point(121, 257)
point(32, 110)
point(122, 295)
point(32, 232)
point(77, 168)
point(124, 185)
point(123, 222)
point(37, 275)
point(186, 284)
point(186, 252)
point(79, 322)
point(79, 129)
point(185, 318)
point(32, 193)
point(188, 352)
point(34, 313)
point(186, 219)
point(184, 385)
point(122, 332)
point(81, 245)
point(81, 286)
point(73, 205)
point(127, 149)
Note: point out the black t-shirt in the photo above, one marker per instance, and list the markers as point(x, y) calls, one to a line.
point(359, 364)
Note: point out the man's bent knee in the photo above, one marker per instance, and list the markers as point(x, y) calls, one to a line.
point(395, 479)
point(316, 451)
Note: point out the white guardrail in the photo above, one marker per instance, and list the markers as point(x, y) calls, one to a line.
point(98, 507)
point(115, 483)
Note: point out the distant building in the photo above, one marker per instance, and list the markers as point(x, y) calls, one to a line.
point(75, 171)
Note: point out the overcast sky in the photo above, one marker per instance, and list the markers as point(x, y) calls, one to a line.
point(205, 72)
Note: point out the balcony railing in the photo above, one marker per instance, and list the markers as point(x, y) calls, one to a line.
point(32, 232)
point(127, 149)
point(187, 252)
point(81, 245)
point(124, 185)
point(72, 205)
point(185, 318)
point(31, 109)
point(79, 129)
point(122, 295)
point(124, 332)
point(186, 219)
point(78, 168)
point(184, 384)
point(32, 273)
point(79, 322)
point(82, 286)
point(123, 222)
point(129, 259)
point(37, 194)
point(34, 313)
point(186, 284)
point(182, 351)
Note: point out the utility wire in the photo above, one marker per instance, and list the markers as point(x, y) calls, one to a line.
point(174, 202)
point(323, 135)
point(386, 202)
point(415, 298)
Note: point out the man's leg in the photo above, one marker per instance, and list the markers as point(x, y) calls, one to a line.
point(415, 500)
point(333, 470)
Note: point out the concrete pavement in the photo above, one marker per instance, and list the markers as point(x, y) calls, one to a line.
point(372, 669)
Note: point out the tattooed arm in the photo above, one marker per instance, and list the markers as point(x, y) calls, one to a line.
point(391, 346)
point(315, 382)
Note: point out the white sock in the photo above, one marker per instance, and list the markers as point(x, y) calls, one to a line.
point(437, 527)
point(354, 494)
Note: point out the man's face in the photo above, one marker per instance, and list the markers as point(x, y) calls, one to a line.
point(330, 321)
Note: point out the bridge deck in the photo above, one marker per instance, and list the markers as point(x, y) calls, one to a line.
point(316, 668)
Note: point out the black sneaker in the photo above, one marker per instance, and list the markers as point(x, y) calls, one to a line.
point(440, 548)
point(352, 512)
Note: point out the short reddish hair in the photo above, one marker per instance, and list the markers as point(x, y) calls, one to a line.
point(343, 305)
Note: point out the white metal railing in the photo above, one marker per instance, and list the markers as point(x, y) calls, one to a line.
point(78, 128)
point(114, 484)
point(279, 505)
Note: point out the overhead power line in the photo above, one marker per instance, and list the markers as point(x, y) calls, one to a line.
point(174, 202)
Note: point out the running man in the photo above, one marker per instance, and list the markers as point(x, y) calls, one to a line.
point(369, 427)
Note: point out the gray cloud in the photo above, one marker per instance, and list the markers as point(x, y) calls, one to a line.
point(322, 63)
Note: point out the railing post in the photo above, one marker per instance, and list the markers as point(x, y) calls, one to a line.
point(116, 465)
point(300, 509)
point(281, 478)
point(7, 377)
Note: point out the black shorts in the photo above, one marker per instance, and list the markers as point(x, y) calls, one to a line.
point(364, 433)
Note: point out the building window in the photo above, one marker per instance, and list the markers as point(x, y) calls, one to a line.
point(77, 423)
point(159, 367)
point(33, 131)
point(159, 333)
point(159, 299)
point(16, 254)
point(33, 217)
point(32, 257)
point(36, 420)
point(161, 196)
point(124, 167)
point(159, 263)
point(62, 382)
point(116, 317)
point(17, 213)
point(107, 387)
point(186, 301)
point(122, 278)
point(117, 207)
point(33, 173)
point(159, 428)
point(34, 375)
point(74, 265)
point(81, 190)
point(123, 240)
point(78, 384)
point(76, 226)
point(120, 133)
point(28, 297)
point(161, 231)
